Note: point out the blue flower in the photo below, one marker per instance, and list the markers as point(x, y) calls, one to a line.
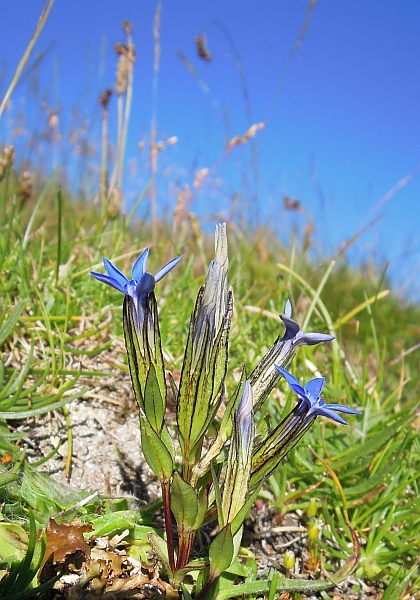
point(264, 377)
point(311, 404)
point(141, 284)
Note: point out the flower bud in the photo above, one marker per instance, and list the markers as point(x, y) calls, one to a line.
point(312, 508)
point(314, 530)
point(289, 559)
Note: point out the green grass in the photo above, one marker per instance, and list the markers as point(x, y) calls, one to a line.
point(365, 474)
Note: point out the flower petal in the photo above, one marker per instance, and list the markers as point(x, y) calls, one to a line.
point(325, 412)
point(292, 381)
point(110, 281)
point(310, 339)
point(114, 273)
point(145, 285)
point(140, 265)
point(168, 267)
point(343, 409)
point(292, 328)
point(314, 387)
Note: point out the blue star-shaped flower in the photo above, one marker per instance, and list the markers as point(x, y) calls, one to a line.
point(141, 283)
point(310, 399)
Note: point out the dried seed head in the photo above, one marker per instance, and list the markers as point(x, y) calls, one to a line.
point(9, 154)
point(25, 186)
point(202, 51)
point(6, 160)
point(242, 139)
point(128, 28)
point(104, 98)
point(291, 204)
point(127, 56)
point(114, 203)
point(122, 74)
point(121, 49)
point(172, 140)
point(199, 177)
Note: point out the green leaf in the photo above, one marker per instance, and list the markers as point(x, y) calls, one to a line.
point(221, 551)
point(9, 325)
point(154, 403)
point(202, 508)
point(184, 502)
point(159, 546)
point(155, 452)
point(13, 542)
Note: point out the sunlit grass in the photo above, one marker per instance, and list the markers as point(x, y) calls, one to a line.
point(365, 475)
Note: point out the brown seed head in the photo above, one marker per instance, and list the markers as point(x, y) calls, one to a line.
point(6, 160)
point(128, 28)
point(120, 48)
point(9, 154)
point(114, 203)
point(202, 51)
point(25, 186)
point(104, 98)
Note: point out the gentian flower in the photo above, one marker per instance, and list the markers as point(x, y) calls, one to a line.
point(264, 377)
point(270, 451)
point(310, 401)
point(214, 297)
point(141, 284)
point(240, 458)
point(245, 421)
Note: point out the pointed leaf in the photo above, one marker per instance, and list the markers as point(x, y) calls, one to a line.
point(155, 452)
point(184, 502)
point(154, 403)
point(221, 551)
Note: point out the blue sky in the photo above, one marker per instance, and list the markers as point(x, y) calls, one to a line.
point(343, 131)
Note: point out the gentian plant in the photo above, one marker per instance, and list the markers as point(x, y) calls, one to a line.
point(214, 466)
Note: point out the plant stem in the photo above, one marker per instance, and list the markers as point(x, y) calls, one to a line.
point(41, 22)
point(166, 499)
point(186, 542)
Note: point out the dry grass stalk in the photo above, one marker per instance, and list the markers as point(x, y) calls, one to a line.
point(40, 25)
point(153, 151)
point(242, 139)
point(124, 90)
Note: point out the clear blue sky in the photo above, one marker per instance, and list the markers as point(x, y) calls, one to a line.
point(344, 130)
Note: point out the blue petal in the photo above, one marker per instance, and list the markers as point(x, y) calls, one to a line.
point(292, 328)
point(314, 387)
point(310, 339)
point(140, 265)
point(168, 267)
point(292, 381)
point(110, 281)
point(324, 412)
point(288, 309)
point(343, 409)
point(115, 273)
point(145, 285)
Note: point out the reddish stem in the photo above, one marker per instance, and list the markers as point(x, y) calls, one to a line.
point(186, 542)
point(166, 497)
